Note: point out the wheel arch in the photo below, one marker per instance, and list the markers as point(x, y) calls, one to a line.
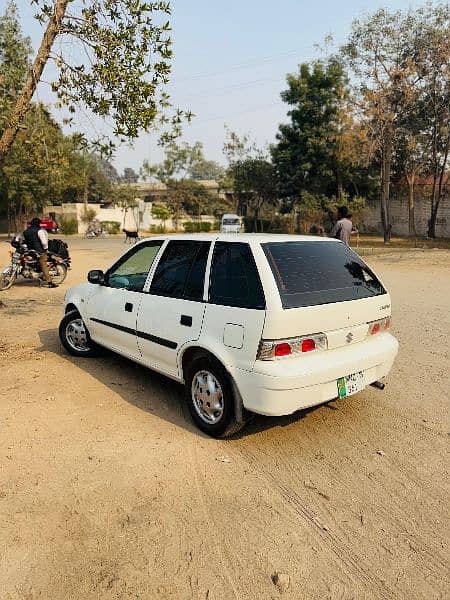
point(192, 352)
point(69, 307)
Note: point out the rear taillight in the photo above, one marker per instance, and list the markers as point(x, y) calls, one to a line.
point(271, 349)
point(379, 325)
point(282, 349)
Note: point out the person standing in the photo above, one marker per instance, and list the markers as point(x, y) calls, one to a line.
point(37, 239)
point(343, 226)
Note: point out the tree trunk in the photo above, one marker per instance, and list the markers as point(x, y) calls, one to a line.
point(32, 80)
point(385, 191)
point(433, 212)
point(8, 215)
point(85, 196)
point(339, 186)
point(412, 225)
point(437, 193)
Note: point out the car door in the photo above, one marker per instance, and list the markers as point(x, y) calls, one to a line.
point(113, 308)
point(171, 313)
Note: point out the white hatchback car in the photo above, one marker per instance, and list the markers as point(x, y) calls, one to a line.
point(267, 324)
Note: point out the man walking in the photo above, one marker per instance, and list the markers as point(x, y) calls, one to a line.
point(37, 239)
point(343, 226)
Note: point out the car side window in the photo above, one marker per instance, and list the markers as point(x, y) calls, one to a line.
point(181, 271)
point(234, 279)
point(131, 271)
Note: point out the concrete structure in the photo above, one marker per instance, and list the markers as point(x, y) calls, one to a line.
point(400, 217)
point(146, 193)
point(139, 217)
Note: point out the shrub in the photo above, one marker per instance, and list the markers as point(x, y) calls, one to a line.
point(157, 229)
point(197, 226)
point(111, 227)
point(278, 224)
point(88, 215)
point(68, 225)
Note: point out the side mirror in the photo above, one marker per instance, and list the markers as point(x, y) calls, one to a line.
point(96, 276)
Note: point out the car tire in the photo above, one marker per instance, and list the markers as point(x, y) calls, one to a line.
point(210, 398)
point(75, 337)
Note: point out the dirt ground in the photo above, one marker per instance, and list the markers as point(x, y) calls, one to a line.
point(108, 491)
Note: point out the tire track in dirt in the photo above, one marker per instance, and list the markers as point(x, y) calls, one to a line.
point(220, 553)
point(395, 513)
point(356, 569)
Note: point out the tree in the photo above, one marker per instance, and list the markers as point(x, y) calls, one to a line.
point(108, 169)
point(309, 155)
point(381, 52)
point(204, 170)
point(129, 175)
point(250, 175)
point(161, 212)
point(15, 51)
point(128, 65)
point(39, 166)
point(432, 55)
point(183, 193)
point(255, 178)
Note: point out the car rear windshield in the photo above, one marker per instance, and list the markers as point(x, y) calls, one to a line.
point(230, 222)
point(312, 273)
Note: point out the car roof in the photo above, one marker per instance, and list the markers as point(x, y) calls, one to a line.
point(258, 238)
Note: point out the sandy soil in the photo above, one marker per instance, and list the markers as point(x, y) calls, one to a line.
point(108, 491)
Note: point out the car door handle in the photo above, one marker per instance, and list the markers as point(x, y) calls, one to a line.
point(186, 320)
point(128, 307)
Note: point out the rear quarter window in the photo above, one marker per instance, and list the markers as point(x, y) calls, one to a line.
point(312, 273)
point(234, 279)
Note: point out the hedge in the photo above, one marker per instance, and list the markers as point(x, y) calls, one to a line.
point(67, 225)
point(111, 227)
point(197, 226)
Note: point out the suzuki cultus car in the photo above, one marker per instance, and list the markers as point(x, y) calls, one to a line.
point(265, 324)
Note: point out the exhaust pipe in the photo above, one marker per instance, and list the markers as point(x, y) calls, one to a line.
point(378, 384)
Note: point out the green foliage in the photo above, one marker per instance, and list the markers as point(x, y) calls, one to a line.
point(111, 227)
point(129, 48)
point(129, 175)
point(157, 229)
point(250, 175)
point(183, 193)
point(178, 162)
point(124, 196)
point(68, 225)
point(15, 51)
point(39, 167)
point(88, 215)
point(204, 170)
point(160, 211)
point(197, 226)
point(306, 155)
point(277, 224)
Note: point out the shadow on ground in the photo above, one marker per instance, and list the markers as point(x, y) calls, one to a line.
point(151, 392)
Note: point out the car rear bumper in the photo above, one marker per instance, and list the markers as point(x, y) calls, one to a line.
point(293, 384)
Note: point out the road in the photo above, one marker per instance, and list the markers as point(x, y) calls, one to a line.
point(108, 491)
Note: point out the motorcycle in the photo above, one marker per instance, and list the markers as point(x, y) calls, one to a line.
point(25, 263)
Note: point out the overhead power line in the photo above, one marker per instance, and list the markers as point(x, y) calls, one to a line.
point(244, 65)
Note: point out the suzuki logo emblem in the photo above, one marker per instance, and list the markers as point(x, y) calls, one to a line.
point(349, 337)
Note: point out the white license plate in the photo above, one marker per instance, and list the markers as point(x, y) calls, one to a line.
point(351, 384)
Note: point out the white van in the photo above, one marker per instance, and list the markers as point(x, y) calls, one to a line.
point(261, 323)
point(230, 224)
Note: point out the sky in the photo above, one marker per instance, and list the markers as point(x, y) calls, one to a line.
point(230, 64)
